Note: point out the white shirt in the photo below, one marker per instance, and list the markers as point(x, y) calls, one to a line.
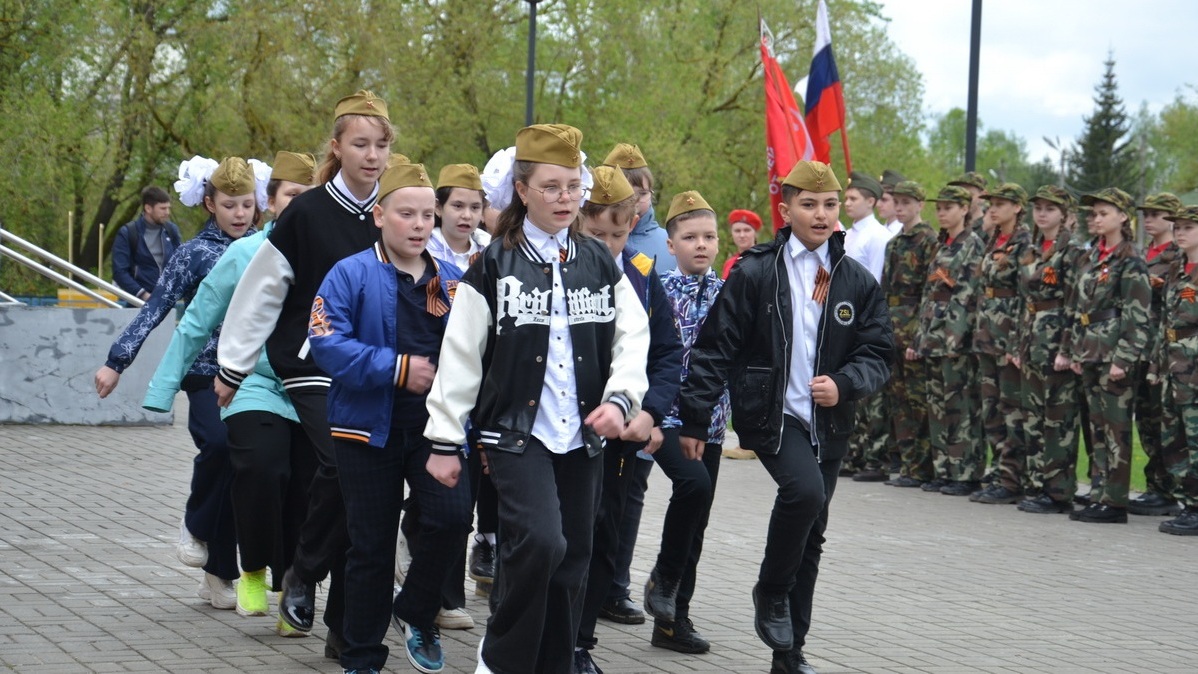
point(801, 269)
point(439, 248)
point(558, 424)
point(339, 183)
point(866, 243)
point(894, 227)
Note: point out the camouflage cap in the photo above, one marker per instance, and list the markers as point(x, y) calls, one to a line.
point(813, 176)
point(611, 187)
point(685, 202)
point(625, 156)
point(1008, 191)
point(970, 179)
point(890, 178)
point(403, 175)
point(1165, 201)
point(362, 103)
point(910, 188)
point(865, 183)
point(954, 194)
point(1055, 194)
point(1188, 213)
point(294, 167)
point(459, 175)
point(1111, 195)
point(233, 177)
point(558, 144)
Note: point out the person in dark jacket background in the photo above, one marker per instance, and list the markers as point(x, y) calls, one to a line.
point(142, 247)
point(798, 345)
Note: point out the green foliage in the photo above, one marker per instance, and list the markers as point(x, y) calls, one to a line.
point(1173, 138)
point(1104, 156)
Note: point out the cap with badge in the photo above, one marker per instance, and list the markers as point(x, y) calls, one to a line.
point(970, 179)
point(610, 187)
point(233, 177)
point(910, 188)
point(1055, 194)
point(558, 144)
point(294, 167)
point(954, 194)
point(748, 217)
point(1009, 191)
point(1187, 213)
point(685, 202)
point(865, 183)
point(1165, 201)
point(625, 156)
point(395, 159)
point(364, 102)
point(402, 175)
point(812, 176)
point(1113, 196)
point(459, 175)
point(889, 179)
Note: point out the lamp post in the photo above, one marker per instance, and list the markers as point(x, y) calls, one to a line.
point(971, 115)
point(532, 60)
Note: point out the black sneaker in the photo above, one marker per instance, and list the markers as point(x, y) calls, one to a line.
point(771, 619)
point(1153, 504)
point(660, 596)
point(679, 636)
point(623, 611)
point(998, 494)
point(482, 561)
point(1044, 505)
point(1185, 524)
point(790, 662)
point(959, 488)
point(584, 664)
point(1099, 513)
point(934, 485)
point(989, 477)
point(905, 481)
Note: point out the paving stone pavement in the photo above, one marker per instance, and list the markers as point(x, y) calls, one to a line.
point(911, 582)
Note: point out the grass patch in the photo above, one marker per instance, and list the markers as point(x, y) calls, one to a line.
point(1138, 460)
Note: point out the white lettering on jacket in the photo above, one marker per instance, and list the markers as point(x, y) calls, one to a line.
point(523, 307)
point(584, 306)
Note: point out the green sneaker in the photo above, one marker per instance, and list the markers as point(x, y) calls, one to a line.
point(251, 593)
point(284, 630)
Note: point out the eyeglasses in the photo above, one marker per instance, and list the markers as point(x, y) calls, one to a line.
point(554, 193)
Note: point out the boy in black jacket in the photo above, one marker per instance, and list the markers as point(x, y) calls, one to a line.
point(799, 332)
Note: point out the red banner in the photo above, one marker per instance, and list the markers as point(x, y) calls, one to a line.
point(786, 138)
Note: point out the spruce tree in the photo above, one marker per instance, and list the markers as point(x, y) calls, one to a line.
point(1104, 156)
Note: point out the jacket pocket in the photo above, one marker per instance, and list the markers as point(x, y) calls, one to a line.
point(751, 396)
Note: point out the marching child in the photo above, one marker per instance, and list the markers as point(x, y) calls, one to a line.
point(793, 375)
point(457, 237)
point(376, 327)
point(545, 352)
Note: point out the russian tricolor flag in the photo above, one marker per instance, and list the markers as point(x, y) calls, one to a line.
point(825, 97)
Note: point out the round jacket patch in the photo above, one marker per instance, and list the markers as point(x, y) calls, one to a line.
point(844, 313)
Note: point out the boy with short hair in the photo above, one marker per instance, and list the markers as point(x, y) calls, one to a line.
point(801, 301)
point(376, 328)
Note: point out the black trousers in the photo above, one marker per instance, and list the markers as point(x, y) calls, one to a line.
point(322, 537)
point(372, 481)
point(630, 527)
point(795, 540)
point(547, 505)
point(687, 515)
point(618, 460)
point(273, 464)
point(209, 510)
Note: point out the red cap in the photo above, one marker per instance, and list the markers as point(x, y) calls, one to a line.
point(748, 217)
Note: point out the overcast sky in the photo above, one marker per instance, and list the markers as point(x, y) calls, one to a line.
point(1041, 59)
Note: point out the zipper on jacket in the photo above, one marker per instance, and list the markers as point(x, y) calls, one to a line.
point(785, 343)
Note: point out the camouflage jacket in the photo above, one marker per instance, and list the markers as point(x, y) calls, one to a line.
point(1158, 268)
point(1109, 311)
point(908, 255)
point(1177, 337)
point(999, 310)
point(1046, 281)
point(950, 297)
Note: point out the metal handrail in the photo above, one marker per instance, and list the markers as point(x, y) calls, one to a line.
point(6, 299)
point(60, 263)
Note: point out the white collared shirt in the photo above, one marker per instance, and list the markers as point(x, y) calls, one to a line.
point(439, 247)
point(558, 424)
point(894, 227)
point(339, 183)
point(802, 265)
point(865, 242)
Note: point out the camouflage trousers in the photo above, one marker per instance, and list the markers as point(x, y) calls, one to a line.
point(870, 445)
point(1050, 428)
point(1179, 438)
point(1149, 418)
point(1002, 418)
point(1110, 424)
point(909, 416)
point(955, 418)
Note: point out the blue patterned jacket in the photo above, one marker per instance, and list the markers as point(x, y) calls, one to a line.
point(691, 297)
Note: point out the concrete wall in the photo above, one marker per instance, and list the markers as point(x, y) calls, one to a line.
point(48, 360)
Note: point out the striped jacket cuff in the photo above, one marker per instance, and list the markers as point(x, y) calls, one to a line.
point(231, 378)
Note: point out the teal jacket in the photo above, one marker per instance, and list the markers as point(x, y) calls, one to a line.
point(262, 391)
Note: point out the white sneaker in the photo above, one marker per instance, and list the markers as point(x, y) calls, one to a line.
point(191, 552)
point(221, 593)
point(482, 667)
point(454, 619)
point(403, 558)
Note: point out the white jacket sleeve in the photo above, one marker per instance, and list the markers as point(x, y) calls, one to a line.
point(253, 313)
point(628, 379)
point(460, 374)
